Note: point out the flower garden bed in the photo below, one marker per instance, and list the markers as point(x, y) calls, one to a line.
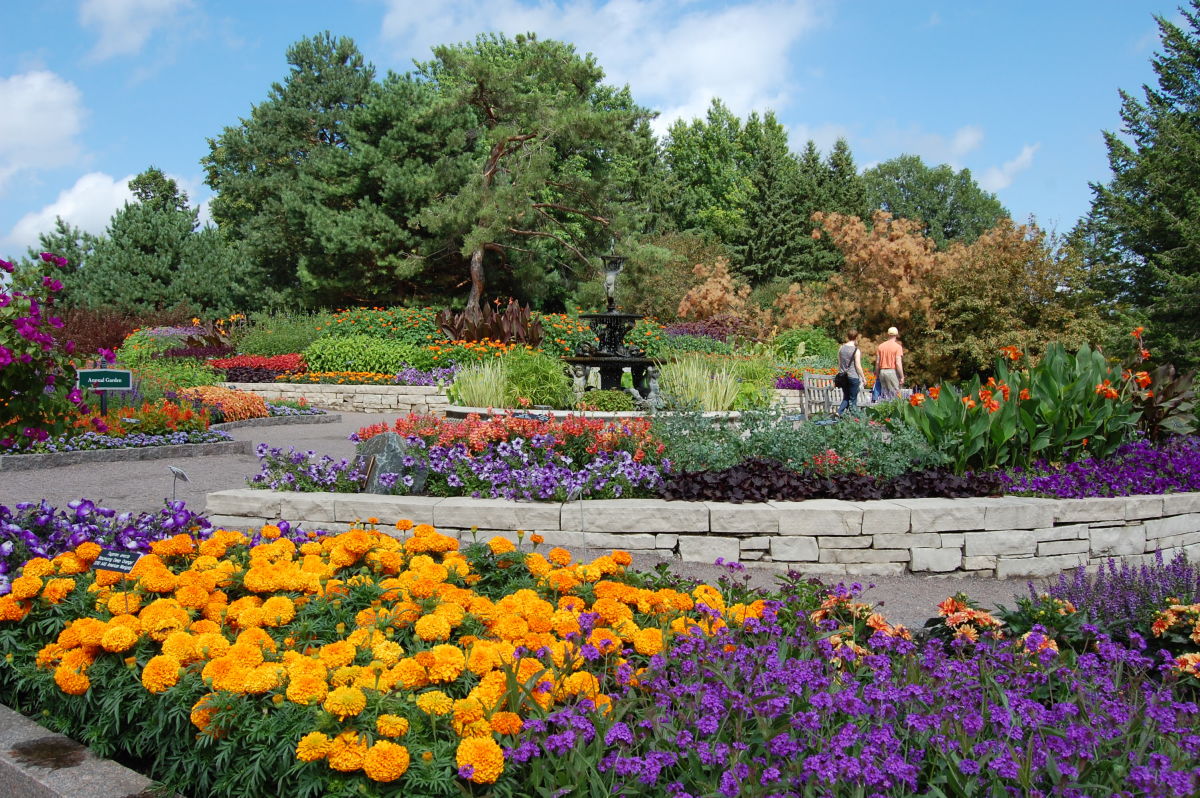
point(371, 664)
point(1003, 537)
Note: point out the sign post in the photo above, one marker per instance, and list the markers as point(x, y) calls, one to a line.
point(103, 380)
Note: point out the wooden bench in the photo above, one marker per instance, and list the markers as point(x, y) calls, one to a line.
point(821, 396)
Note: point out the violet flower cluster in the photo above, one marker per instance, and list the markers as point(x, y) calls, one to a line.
point(304, 471)
point(767, 711)
point(1121, 598)
point(287, 410)
point(39, 530)
point(415, 376)
point(1139, 467)
point(89, 441)
point(789, 382)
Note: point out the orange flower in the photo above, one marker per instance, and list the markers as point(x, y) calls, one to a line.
point(1024, 394)
point(935, 392)
point(917, 399)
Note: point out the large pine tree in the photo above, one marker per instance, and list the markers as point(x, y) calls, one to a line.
point(1150, 211)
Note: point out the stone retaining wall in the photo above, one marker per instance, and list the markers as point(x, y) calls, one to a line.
point(400, 399)
point(1003, 537)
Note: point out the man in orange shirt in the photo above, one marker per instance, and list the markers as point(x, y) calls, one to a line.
point(889, 365)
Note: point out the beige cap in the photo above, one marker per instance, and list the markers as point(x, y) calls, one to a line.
point(893, 331)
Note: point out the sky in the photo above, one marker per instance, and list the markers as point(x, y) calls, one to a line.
point(92, 92)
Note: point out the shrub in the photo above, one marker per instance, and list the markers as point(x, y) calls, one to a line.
point(37, 395)
point(647, 335)
point(535, 378)
point(271, 334)
point(564, 335)
point(415, 326)
point(483, 384)
point(756, 378)
point(362, 353)
point(164, 376)
point(682, 344)
point(718, 328)
point(605, 401)
point(805, 342)
point(228, 404)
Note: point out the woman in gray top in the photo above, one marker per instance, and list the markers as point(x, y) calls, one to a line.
point(850, 363)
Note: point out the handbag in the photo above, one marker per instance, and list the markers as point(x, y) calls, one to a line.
point(841, 380)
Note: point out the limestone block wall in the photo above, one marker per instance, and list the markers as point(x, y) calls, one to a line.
point(1002, 537)
point(401, 399)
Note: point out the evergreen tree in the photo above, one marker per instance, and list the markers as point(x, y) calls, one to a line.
point(547, 145)
point(153, 258)
point(775, 227)
point(67, 241)
point(254, 166)
point(1148, 211)
point(951, 204)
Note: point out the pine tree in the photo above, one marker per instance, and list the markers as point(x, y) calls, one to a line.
point(776, 231)
point(1149, 210)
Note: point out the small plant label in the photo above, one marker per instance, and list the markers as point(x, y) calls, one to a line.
point(121, 561)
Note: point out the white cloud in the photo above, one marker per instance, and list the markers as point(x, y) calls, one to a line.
point(678, 55)
point(42, 118)
point(88, 204)
point(997, 177)
point(824, 136)
point(934, 148)
point(124, 26)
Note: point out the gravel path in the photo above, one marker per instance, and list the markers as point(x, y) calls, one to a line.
point(143, 485)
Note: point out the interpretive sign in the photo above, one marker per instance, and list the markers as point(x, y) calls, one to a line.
point(106, 379)
point(121, 561)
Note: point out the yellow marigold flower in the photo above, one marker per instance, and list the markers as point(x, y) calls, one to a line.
point(385, 761)
point(391, 725)
point(345, 702)
point(500, 545)
point(118, 638)
point(347, 751)
point(26, 587)
point(648, 642)
point(435, 702)
point(507, 723)
point(335, 655)
point(387, 651)
point(313, 746)
point(432, 627)
point(57, 589)
point(483, 756)
point(161, 673)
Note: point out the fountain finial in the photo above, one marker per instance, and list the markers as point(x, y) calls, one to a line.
point(612, 267)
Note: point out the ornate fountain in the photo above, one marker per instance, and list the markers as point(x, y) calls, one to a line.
point(611, 355)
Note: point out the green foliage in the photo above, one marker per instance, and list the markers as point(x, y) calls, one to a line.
point(564, 335)
point(537, 378)
point(160, 376)
point(1144, 219)
point(883, 450)
point(605, 401)
point(416, 326)
point(363, 353)
point(270, 334)
point(141, 347)
point(1168, 405)
point(1073, 409)
point(694, 381)
point(153, 257)
point(951, 204)
point(257, 168)
point(483, 384)
point(791, 345)
point(648, 336)
point(66, 241)
point(702, 344)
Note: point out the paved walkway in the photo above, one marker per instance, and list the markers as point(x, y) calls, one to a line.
point(143, 485)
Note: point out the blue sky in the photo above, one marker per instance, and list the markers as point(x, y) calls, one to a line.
point(94, 91)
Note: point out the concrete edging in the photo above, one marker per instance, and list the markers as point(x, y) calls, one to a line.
point(1003, 537)
point(275, 421)
point(37, 763)
point(27, 462)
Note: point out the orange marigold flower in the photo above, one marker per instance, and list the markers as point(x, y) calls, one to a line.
point(391, 725)
point(161, 673)
point(88, 552)
point(385, 761)
point(648, 641)
point(484, 758)
point(506, 723)
point(536, 539)
point(25, 587)
point(72, 681)
point(38, 566)
point(118, 638)
point(57, 589)
point(432, 627)
point(500, 545)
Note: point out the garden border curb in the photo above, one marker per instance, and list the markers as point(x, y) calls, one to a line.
point(29, 462)
point(37, 763)
point(1004, 537)
point(275, 421)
